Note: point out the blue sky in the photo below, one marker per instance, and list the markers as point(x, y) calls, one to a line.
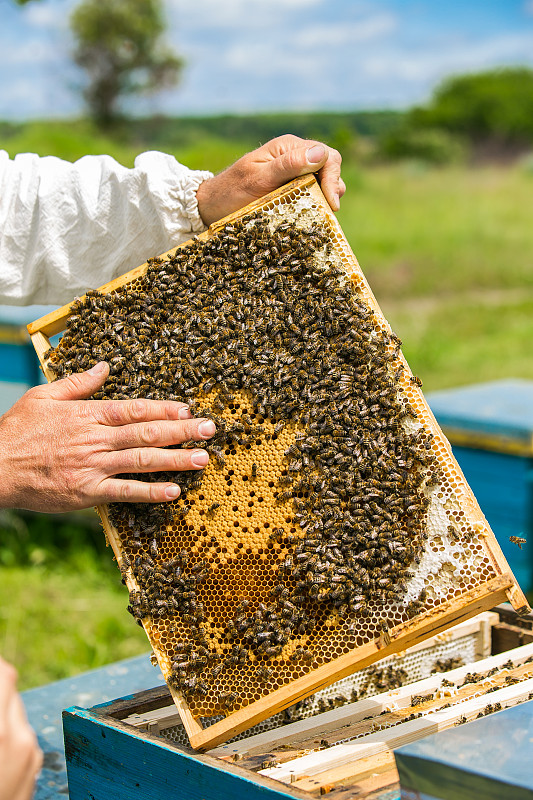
point(260, 55)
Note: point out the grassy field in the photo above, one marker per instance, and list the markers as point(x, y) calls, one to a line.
point(448, 253)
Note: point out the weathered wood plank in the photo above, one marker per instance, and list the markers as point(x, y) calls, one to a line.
point(360, 770)
point(107, 760)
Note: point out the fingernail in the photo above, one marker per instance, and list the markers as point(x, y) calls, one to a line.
point(336, 202)
point(98, 368)
point(199, 458)
point(184, 413)
point(172, 492)
point(315, 154)
point(206, 428)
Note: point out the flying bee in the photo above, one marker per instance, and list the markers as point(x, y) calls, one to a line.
point(519, 540)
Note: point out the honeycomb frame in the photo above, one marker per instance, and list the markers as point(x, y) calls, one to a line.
point(477, 546)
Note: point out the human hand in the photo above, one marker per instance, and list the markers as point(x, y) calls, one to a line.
point(265, 169)
point(20, 755)
point(60, 452)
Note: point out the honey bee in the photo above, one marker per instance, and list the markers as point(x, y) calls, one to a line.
point(519, 540)
point(264, 674)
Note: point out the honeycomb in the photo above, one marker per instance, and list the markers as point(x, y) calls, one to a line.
point(331, 509)
point(396, 670)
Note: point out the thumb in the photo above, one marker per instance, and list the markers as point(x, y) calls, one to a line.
point(79, 386)
point(298, 161)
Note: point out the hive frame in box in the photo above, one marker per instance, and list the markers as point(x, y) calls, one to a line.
point(294, 755)
point(467, 642)
point(500, 587)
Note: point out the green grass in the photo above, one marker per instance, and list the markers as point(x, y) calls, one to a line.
point(440, 231)
point(64, 619)
point(62, 603)
point(448, 253)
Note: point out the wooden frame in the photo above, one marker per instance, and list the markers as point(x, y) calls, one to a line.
point(481, 597)
point(395, 704)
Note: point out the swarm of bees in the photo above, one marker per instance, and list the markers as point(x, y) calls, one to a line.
point(262, 308)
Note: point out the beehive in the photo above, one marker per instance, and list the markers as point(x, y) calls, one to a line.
point(332, 525)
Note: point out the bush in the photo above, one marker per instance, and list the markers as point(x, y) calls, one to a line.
point(432, 146)
point(494, 106)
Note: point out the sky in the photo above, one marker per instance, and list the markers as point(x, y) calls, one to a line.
point(266, 55)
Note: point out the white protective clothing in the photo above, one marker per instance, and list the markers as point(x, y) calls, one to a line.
point(66, 228)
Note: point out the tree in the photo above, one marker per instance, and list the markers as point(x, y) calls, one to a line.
point(494, 106)
point(119, 44)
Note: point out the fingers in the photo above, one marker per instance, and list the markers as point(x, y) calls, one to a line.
point(123, 412)
point(155, 459)
point(160, 433)
point(26, 757)
point(79, 386)
point(293, 157)
point(330, 179)
point(20, 755)
point(115, 490)
point(8, 682)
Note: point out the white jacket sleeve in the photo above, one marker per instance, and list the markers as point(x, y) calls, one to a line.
point(65, 228)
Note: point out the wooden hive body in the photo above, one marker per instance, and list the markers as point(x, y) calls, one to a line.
point(346, 752)
point(461, 569)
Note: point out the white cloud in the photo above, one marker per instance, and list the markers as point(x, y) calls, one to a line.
point(40, 15)
point(433, 63)
point(33, 52)
point(235, 14)
point(335, 34)
point(270, 59)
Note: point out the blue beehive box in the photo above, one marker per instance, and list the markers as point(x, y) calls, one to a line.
point(490, 428)
point(487, 759)
point(19, 365)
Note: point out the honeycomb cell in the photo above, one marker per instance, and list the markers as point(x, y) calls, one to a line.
point(330, 510)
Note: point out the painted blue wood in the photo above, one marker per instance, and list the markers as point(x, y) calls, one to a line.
point(501, 408)
point(106, 759)
point(503, 486)
point(45, 704)
point(19, 363)
point(502, 483)
point(487, 759)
